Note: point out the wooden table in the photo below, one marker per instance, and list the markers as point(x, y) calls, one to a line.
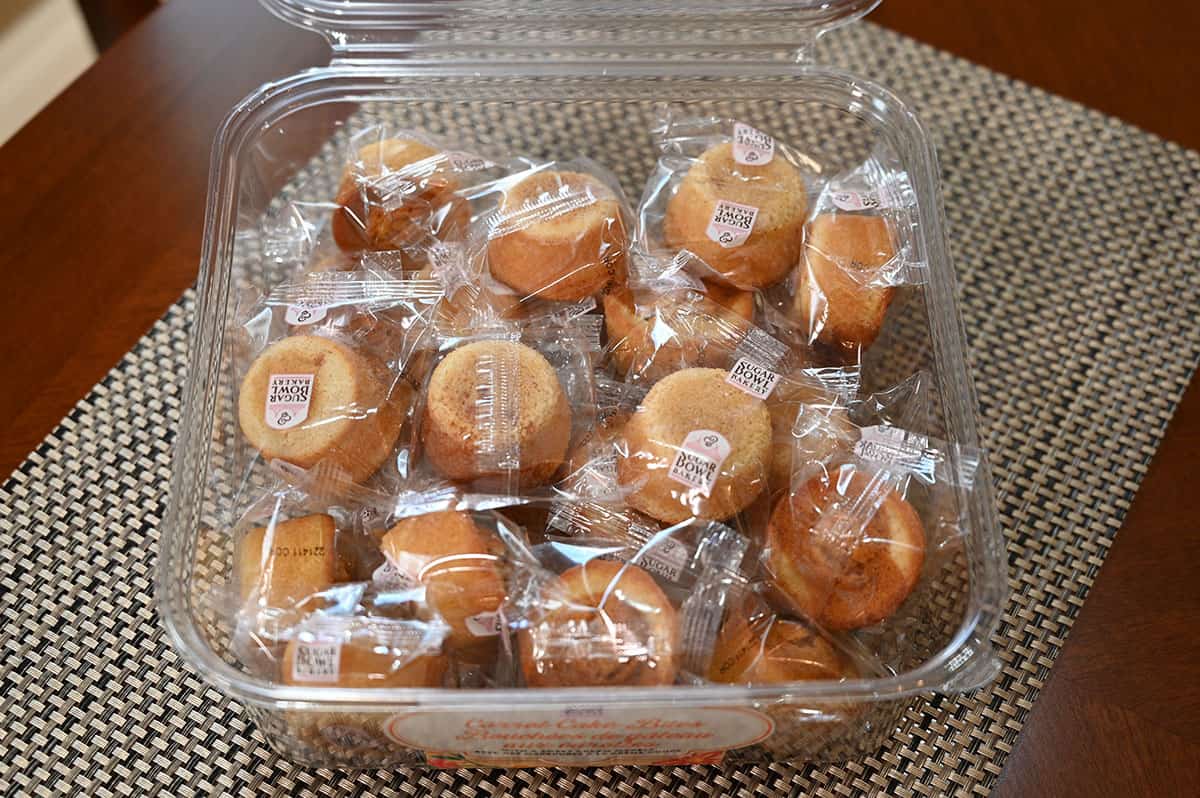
point(103, 202)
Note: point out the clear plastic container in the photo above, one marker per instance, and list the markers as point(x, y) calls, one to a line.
point(494, 75)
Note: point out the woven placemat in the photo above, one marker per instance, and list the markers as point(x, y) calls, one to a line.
point(1075, 241)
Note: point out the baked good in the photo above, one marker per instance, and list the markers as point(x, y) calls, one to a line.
point(458, 562)
point(833, 303)
point(397, 192)
point(766, 649)
point(377, 653)
point(826, 428)
point(838, 564)
point(289, 562)
point(553, 247)
point(282, 573)
point(693, 425)
point(605, 624)
point(308, 399)
point(760, 648)
point(773, 192)
point(639, 345)
point(530, 418)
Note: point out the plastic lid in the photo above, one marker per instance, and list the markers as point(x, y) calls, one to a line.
point(497, 27)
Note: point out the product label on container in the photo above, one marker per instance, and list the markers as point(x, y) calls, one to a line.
point(288, 396)
point(731, 223)
point(569, 736)
point(305, 312)
point(666, 558)
point(317, 661)
point(751, 146)
point(754, 379)
point(485, 624)
point(698, 461)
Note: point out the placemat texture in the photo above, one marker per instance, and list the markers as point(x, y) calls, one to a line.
point(1075, 239)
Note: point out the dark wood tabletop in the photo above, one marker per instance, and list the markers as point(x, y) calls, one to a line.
point(101, 210)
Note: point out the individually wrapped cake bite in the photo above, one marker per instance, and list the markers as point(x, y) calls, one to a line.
point(668, 317)
point(555, 230)
point(697, 446)
point(757, 646)
point(399, 188)
point(328, 372)
point(622, 610)
point(499, 412)
point(729, 193)
point(457, 559)
point(848, 543)
point(860, 247)
point(289, 562)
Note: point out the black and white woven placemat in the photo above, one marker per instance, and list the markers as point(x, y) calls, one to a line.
point(1076, 242)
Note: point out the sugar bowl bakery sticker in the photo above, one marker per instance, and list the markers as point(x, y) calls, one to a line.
point(731, 223)
point(667, 558)
point(753, 378)
point(305, 312)
point(317, 660)
point(698, 460)
point(288, 397)
point(577, 736)
point(751, 146)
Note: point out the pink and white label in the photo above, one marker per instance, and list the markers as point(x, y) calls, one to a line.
point(317, 661)
point(556, 734)
point(731, 223)
point(699, 459)
point(751, 146)
point(288, 397)
point(753, 378)
point(302, 313)
point(485, 624)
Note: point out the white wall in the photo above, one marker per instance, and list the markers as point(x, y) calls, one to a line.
point(44, 45)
